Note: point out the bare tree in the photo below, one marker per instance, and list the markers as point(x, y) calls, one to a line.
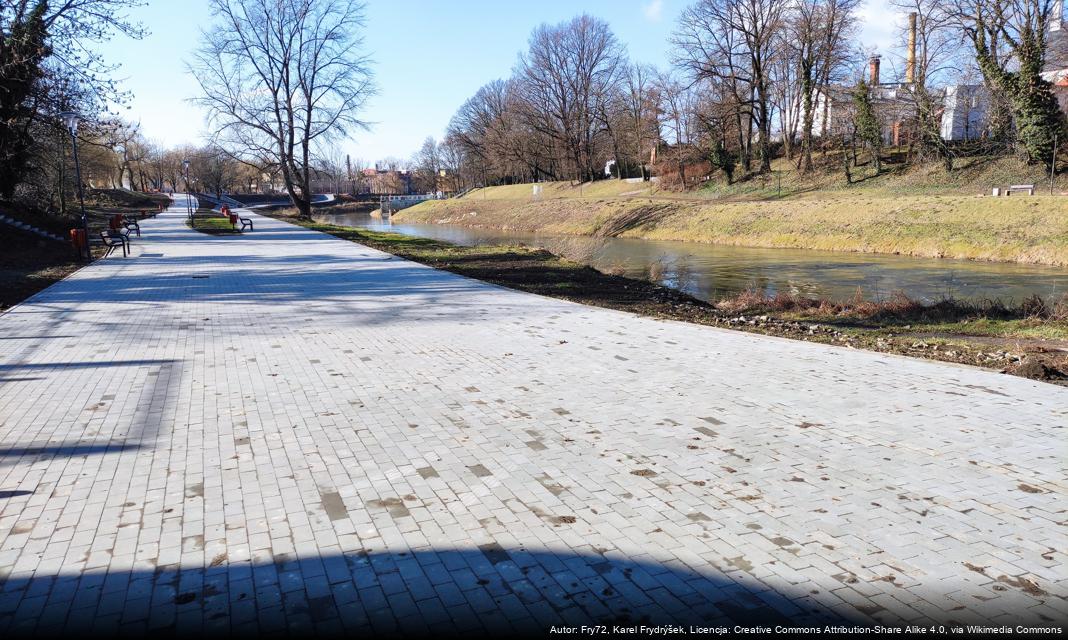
point(676, 109)
point(426, 165)
point(565, 77)
point(639, 108)
point(280, 77)
point(734, 41)
point(817, 35)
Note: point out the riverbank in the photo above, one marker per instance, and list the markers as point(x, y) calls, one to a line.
point(913, 210)
point(1030, 339)
point(1009, 229)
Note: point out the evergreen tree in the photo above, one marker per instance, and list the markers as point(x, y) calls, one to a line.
point(866, 123)
point(23, 47)
point(724, 160)
point(1034, 107)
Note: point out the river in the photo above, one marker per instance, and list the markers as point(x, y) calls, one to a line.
point(708, 271)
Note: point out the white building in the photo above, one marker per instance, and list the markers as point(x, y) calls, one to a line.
point(965, 114)
point(1056, 70)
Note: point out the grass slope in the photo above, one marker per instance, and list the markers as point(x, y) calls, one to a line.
point(921, 212)
point(207, 221)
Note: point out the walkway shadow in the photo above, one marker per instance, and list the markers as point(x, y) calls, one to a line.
point(91, 364)
point(484, 590)
point(69, 450)
point(307, 278)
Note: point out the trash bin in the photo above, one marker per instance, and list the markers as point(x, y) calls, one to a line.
point(77, 240)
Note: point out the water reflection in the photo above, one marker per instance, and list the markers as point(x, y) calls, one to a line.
point(713, 271)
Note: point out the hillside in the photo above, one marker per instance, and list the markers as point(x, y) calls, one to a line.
point(920, 212)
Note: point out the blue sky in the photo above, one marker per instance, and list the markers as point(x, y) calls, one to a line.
point(430, 56)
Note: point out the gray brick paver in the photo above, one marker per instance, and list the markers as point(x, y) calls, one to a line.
point(192, 462)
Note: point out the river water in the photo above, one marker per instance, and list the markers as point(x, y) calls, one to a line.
point(710, 271)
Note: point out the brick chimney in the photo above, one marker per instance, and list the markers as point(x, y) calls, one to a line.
point(873, 71)
point(910, 65)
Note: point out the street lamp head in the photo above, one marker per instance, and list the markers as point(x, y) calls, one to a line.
point(70, 121)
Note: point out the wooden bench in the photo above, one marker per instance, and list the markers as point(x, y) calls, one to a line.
point(1029, 188)
point(111, 239)
point(131, 224)
point(235, 219)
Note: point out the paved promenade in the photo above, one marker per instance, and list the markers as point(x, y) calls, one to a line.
point(285, 430)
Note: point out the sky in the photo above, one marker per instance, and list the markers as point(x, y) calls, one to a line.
point(430, 56)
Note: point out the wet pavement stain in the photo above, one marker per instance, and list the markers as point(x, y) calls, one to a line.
point(395, 506)
point(333, 504)
point(494, 553)
point(480, 471)
point(551, 485)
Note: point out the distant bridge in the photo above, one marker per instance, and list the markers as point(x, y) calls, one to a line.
point(389, 204)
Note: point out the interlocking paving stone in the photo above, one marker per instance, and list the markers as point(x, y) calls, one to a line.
point(285, 430)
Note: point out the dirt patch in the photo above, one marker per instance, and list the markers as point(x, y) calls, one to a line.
point(1047, 367)
point(29, 264)
point(1026, 585)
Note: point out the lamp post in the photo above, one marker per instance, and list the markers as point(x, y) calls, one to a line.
point(188, 199)
point(70, 121)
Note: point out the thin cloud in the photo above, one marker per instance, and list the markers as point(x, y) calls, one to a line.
point(654, 10)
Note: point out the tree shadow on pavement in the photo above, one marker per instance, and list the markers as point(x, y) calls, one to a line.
point(481, 590)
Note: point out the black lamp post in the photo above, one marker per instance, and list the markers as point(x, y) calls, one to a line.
point(188, 198)
point(70, 121)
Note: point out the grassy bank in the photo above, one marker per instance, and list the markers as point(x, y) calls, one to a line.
point(211, 223)
point(1030, 340)
point(921, 212)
